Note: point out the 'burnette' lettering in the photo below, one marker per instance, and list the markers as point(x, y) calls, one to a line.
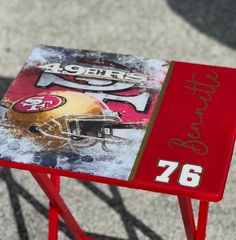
point(204, 92)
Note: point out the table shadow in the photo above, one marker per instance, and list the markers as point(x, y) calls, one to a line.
point(216, 18)
point(17, 191)
point(5, 82)
point(131, 223)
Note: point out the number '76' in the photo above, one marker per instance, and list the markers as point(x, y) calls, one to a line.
point(190, 175)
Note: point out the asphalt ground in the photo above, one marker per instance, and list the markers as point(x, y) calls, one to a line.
point(196, 31)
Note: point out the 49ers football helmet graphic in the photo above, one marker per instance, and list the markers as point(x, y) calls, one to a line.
point(60, 118)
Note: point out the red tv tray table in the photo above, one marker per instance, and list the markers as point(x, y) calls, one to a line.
point(130, 121)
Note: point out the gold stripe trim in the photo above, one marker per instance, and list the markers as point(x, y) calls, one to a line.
point(151, 123)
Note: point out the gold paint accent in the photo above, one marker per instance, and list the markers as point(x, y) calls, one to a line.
point(194, 142)
point(151, 123)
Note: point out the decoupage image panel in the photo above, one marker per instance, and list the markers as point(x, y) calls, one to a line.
point(78, 110)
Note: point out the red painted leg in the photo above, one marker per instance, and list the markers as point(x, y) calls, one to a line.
point(53, 215)
point(202, 220)
point(56, 200)
point(187, 216)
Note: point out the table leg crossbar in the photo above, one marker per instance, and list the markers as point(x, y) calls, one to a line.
point(53, 215)
point(194, 232)
point(51, 187)
point(58, 206)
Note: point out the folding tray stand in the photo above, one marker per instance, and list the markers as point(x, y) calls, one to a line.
point(165, 127)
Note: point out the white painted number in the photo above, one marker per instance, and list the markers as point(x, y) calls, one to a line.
point(51, 68)
point(73, 70)
point(190, 175)
point(165, 176)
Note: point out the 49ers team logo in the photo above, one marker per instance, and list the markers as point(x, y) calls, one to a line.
point(38, 103)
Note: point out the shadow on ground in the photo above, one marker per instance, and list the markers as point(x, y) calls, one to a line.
point(130, 222)
point(4, 84)
point(216, 18)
